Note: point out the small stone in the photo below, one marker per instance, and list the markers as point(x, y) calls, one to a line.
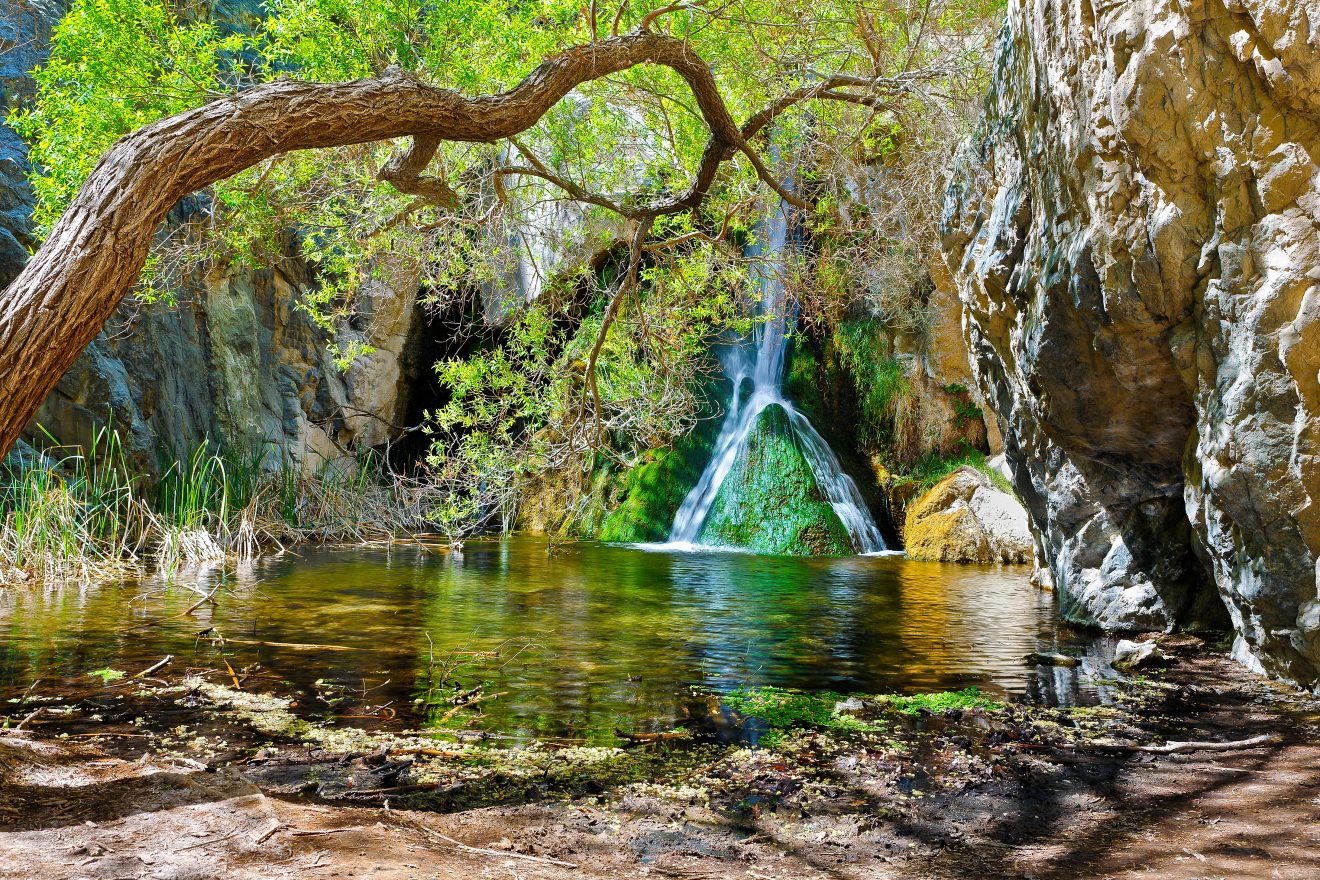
point(1051, 658)
point(852, 704)
point(1134, 655)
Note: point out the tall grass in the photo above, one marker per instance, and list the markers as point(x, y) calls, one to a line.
point(81, 513)
point(71, 513)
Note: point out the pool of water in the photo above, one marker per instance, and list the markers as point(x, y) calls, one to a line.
point(578, 643)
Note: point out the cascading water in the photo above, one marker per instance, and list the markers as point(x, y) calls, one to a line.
point(760, 362)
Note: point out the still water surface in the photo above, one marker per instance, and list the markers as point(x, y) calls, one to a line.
point(582, 642)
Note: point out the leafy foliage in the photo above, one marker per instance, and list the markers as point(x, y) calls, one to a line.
point(633, 136)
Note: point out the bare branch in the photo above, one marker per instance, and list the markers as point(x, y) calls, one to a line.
point(626, 286)
point(650, 17)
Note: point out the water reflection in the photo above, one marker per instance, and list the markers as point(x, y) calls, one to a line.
point(576, 644)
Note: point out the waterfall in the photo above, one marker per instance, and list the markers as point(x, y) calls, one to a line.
point(760, 362)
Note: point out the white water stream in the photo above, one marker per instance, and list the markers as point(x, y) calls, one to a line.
point(760, 361)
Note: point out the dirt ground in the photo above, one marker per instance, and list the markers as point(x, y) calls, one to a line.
point(1014, 793)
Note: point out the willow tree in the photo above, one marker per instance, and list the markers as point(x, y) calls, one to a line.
point(431, 97)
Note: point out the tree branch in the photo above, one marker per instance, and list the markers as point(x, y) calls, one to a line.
point(404, 171)
point(626, 286)
point(96, 251)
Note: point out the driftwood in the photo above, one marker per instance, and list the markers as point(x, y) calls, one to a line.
point(1174, 747)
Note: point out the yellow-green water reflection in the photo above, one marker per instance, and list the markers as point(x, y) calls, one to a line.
point(610, 637)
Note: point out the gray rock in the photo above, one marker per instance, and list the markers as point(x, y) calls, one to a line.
point(1135, 655)
point(1133, 236)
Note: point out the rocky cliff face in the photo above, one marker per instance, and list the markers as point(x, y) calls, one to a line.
point(1135, 235)
point(235, 361)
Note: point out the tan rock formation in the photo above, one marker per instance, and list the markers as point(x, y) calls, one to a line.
point(966, 518)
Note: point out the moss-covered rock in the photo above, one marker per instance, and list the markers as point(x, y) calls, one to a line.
point(967, 518)
point(653, 491)
point(770, 502)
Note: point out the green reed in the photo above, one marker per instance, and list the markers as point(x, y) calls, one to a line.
point(75, 513)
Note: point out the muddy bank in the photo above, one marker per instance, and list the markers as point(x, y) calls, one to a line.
point(219, 783)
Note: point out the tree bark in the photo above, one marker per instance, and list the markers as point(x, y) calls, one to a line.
point(94, 255)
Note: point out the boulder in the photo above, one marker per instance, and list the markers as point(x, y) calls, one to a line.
point(967, 518)
point(1135, 655)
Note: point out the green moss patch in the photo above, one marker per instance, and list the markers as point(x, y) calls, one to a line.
point(653, 491)
point(770, 502)
point(788, 710)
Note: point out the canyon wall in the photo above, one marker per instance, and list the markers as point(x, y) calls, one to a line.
point(1135, 235)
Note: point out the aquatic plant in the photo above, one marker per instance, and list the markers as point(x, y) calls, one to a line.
point(69, 512)
point(787, 710)
point(967, 698)
point(784, 710)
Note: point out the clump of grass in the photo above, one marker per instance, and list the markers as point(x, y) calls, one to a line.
point(932, 468)
point(68, 515)
point(881, 381)
point(78, 514)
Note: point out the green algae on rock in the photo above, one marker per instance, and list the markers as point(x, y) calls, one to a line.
point(653, 491)
point(770, 501)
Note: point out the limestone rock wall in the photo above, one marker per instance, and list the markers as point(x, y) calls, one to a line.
point(1135, 234)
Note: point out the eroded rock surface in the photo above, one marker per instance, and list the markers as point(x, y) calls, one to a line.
point(1134, 233)
point(966, 518)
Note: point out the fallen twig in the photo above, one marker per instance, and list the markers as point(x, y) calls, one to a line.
point(498, 853)
point(33, 714)
point(291, 645)
point(194, 606)
point(157, 665)
point(312, 832)
point(270, 832)
point(1171, 748)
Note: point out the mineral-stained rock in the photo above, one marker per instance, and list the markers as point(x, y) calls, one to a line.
point(770, 502)
point(966, 518)
point(1135, 233)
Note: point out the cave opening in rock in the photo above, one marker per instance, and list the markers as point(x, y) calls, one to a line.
point(438, 332)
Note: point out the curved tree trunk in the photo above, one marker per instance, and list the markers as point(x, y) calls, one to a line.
point(94, 255)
